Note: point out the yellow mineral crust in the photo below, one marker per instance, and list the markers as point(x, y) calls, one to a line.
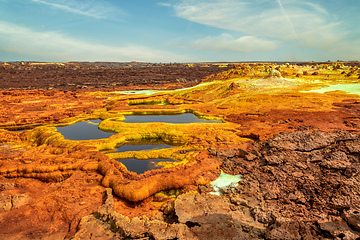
point(47, 156)
point(50, 157)
point(138, 187)
point(252, 102)
point(203, 134)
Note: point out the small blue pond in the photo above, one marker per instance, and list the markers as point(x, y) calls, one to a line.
point(183, 118)
point(89, 129)
point(140, 166)
point(83, 131)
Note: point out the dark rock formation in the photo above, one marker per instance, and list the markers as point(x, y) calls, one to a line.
point(308, 182)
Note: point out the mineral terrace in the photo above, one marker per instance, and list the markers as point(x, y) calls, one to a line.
point(291, 131)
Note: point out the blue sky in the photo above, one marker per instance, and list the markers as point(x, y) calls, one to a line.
point(179, 30)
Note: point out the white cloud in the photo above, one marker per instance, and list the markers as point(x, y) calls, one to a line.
point(259, 17)
point(300, 23)
point(89, 8)
point(164, 4)
point(226, 42)
point(58, 47)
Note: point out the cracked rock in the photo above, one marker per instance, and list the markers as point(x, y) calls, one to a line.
point(352, 217)
point(5, 202)
point(338, 228)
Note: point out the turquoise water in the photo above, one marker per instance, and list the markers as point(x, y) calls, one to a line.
point(140, 166)
point(183, 118)
point(349, 88)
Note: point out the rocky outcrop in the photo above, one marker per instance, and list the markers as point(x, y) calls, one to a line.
point(274, 74)
point(212, 217)
point(308, 141)
point(198, 216)
point(307, 182)
point(8, 202)
point(107, 223)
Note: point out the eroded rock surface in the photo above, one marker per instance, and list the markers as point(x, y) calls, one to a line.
point(199, 216)
point(32, 209)
point(308, 183)
point(296, 198)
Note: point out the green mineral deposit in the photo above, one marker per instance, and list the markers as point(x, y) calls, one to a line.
point(349, 88)
point(223, 182)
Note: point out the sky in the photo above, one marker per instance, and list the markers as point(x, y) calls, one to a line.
point(179, 30)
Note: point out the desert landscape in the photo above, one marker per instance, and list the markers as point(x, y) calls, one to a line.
point(108, 150)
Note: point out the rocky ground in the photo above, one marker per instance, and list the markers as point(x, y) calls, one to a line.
point(306, 184)
point(301, 185)
point(75, 76)
point(299, 168)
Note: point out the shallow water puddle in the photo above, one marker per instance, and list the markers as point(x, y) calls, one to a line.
point(145, 92)
point(183, 118)
point(84, 131)
point(140, 147)
point(89, 129)
point(140, 166)
point(150, 103)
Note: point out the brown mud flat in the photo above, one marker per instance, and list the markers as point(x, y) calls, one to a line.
point(75, 76)
point(300, 166)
